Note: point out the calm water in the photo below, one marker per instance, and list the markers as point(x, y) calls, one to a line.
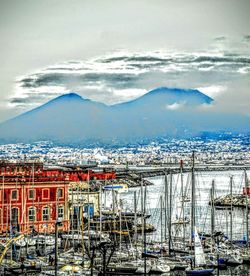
point(203, 182)
point(203, 186)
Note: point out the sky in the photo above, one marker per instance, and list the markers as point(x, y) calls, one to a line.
point(115, 51)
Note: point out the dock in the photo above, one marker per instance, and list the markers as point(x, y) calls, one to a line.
point(238, 200)
point(138, 177)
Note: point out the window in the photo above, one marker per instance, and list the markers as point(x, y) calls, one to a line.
point(60, 212)
point(14, 215)
point(32, 194)
point(89, 210)
point(46, 213)
point(59, 193)
point(32, 214)
point(45, 194)
point(14, 194)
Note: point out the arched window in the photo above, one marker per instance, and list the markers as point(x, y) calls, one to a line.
point(46, 214)
point(32, 214)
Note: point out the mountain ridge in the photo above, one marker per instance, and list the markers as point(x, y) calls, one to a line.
point(71, 118)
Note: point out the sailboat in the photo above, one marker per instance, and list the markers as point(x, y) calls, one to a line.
point(199, 256)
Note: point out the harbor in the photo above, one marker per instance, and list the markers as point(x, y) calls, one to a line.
point(97, 221)
point(124, 138)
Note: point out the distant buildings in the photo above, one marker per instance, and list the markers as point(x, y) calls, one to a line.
point(235, 151)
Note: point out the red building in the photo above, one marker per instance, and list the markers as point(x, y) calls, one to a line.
point(29, 199)
point(34, 197)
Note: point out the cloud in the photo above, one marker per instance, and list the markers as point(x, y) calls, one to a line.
point(127, 94)
point(220, 38)
point(246, 38)
point(123, 76)
point(212, 91)
point(175, 106)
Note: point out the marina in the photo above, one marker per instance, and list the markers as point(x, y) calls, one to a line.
point(164, 225)
point(124, 138)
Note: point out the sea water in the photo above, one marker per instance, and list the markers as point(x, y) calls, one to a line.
point(203, 184)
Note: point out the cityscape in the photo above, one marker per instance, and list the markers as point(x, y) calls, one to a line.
point(124, 138)
point(233, 151)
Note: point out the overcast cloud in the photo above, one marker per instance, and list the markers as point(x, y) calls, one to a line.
point(113, 51)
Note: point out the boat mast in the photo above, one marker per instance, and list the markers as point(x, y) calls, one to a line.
point(100, 211)
point(166, 204)
point(88, 213)
point(72, 215)
point(3, 205)
point(161, 219)
point(246, 193)
point(10, 215)
point(135, 223)
point(212, 208)
point(77, 214)
point(182, 205)
point(120, 228)
point(142, 210)
point(212, 215)
point(170, 215)
point(231, 209)
point(192, 204)
point(113, 211)
point(144, 233)
point(33, 188)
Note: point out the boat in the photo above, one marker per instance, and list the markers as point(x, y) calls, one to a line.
point(180, 221)
point(142, 270)
point(199, 261)
point(199, 271)
point(46, 240)
point(124, 267)
point(120, 188)
point(159, 268)
point(21, 242)
point(31, 241)
point(234, 258)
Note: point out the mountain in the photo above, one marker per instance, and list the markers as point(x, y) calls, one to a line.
point(61, 119)
point(162, 112)
point(170, 96)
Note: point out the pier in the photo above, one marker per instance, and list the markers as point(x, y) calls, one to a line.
point(234, 201)
point(135, 176)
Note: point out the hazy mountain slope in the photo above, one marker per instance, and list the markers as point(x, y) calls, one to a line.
point(161, 112)
point(62, 118)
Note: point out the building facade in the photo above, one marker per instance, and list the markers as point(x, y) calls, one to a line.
point(24, 206)
point(29, 200)
point(32, 196)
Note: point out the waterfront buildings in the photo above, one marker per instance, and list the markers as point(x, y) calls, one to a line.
point(30, 200)
point(34, 197)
